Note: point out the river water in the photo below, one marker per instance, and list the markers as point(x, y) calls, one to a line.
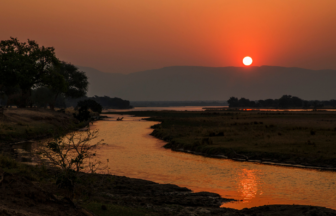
point(132, 152)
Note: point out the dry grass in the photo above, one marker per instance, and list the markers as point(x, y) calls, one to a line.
point(290, 136)
point(19, 124)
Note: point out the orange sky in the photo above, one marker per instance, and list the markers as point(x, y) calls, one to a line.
point(126, 36)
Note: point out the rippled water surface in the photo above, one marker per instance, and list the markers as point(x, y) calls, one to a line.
point(132, 152)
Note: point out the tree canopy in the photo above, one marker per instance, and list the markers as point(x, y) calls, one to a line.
point(25, 64)
point(286, 101)
point(66, 79)
point(77, 82)
point(91, 104)
point(105, 101)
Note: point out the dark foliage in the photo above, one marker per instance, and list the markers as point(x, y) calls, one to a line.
point(25, 64)
point(106, 102)
point(90, 104)
point(31, 74)
point(83, 114)
point(286, 101)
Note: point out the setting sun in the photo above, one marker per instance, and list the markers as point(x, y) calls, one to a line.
point(247, 61)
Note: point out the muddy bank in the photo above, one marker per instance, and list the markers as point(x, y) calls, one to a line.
point(168, 199)
point(299, 139)
point(277, 160)
point(23, 196)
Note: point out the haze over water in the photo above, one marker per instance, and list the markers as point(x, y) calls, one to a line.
point(132, 152)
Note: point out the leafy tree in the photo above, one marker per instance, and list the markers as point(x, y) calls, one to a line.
point(83, 114)
point(243, 102)
point(287, 101)
point(41, 96)
point(91, 104)
point(269, 103)
point(112, 103)
point(233, 102)
point(75, 83)
point(10, 95)
point(25, 64)
point(105, 101)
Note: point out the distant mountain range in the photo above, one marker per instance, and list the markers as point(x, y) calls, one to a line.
point(191, 83)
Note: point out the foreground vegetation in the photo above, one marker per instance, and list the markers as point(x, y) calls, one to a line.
point(306, 138)
point(37, 190)
point(28, 190)
point(25, 124)
point(50, 193)
point(27, 198)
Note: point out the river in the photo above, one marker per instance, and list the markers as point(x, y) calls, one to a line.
point(132, 152)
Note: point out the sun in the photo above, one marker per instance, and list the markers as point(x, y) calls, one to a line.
point(247, 61)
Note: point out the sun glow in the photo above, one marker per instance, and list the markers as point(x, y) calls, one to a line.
point(247, 61)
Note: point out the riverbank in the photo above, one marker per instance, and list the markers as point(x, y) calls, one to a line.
point(298, 139)
point(28, 190)
point(32, 123)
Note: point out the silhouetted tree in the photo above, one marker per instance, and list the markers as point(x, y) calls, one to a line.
point(233, 102)
point(75, 82)
point(243, 102)
point(286, 101)
point(90, 104)
point(270, 103)
point(106, 102)
point(25, 64)
point(83, 114)
point(41, 96)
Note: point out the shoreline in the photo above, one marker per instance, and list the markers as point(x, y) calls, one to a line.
point(16, 146)
point(131, 194)
point(259, 161)
point(261, 157)
point(169, 199)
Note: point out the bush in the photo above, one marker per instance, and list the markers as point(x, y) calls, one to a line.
point(90, 104)
point(69, 153)
point(83, 114)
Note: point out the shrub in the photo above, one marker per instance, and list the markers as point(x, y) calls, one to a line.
point(90, 104)
point(69, 153)
point(83, 114)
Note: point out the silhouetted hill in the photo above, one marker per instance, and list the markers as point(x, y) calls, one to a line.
point(210, 83)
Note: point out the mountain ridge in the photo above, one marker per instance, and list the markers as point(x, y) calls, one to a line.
point(176, 83)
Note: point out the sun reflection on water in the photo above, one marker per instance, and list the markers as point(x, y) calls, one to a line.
point(248, 184)
point(132, 152)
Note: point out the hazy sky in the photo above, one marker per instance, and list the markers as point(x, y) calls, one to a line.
point(126, 36)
